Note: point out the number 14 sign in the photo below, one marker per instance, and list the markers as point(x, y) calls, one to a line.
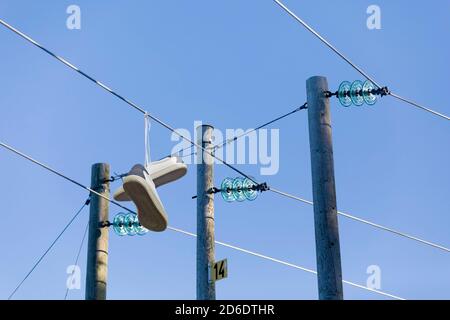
point(218, 270)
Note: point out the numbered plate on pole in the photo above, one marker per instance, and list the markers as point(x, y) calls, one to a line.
point(218, 270)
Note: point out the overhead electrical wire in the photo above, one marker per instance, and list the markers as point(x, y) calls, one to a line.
point(246, 133)
point(352, 64)
point(135, 106)
point(227, 245)
point(78, 255)
point(376, 225)
point(173, 130)
point(224, 143)
point(327, 43)
point(48, 250)
point(170, 228)
point(419, 105)
point(46, 167)
point(127, 101)
point(270, 189)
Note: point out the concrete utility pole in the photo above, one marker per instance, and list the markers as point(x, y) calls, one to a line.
point(97, 255)
point(324, 191)
point(206, 290)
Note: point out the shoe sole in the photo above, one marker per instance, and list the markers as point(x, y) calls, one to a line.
point(163, 177)
point(150, 210)
point(169, 175)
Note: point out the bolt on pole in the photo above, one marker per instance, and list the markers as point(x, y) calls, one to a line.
point(206, 289)
point(324, 191)
point(97, 255)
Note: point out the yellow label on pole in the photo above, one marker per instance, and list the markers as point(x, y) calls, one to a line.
point(219, 270)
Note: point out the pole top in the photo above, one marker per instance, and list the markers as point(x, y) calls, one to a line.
point(100, 172)
point(205, 126)
point(316, 78)
point(100, 164)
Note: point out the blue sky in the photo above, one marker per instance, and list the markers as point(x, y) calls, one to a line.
point(233, 64)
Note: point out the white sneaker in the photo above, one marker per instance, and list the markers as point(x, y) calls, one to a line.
point(142, 192)
point(161, 172)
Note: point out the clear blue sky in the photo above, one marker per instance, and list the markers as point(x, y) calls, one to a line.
point(234, 64)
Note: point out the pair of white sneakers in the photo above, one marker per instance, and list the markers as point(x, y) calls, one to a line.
point(140, 186)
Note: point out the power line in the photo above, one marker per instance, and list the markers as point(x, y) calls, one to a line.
point(246, 133)
point(127, 101)
point(48, 249)
point(378, 226)
point(171, 228)
point(328, 44)
point(135, 106)
point(286, 263)
point(224, 143)
point(78, 254)
point(46, 167)
point(419, 106)
point(271, 189)
point(190, 154)
point(340, 54)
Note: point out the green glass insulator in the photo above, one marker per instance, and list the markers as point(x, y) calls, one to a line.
point(119, 225)
point(344, 94)
point(356, 93)
point(226, 187)
point(367, 94)
point(140, 229)
point(238, 191)
point(130, 224)
point(249, 188)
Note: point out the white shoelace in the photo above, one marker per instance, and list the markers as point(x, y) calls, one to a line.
point(147, 126)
